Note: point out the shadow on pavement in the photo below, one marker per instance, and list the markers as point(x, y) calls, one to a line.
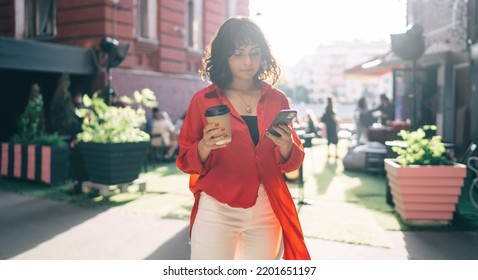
point(441, 245)
point(26, 222)
point(177, 248)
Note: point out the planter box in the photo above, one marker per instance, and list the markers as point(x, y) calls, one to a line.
point(45, 164)
point(425, 194)
point(113, 163)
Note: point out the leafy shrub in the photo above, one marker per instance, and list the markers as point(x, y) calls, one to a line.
point(44, 139)
point(419, 150)
point(30, 125)
point(103, 123)
point(31, 122)
point(51, 139)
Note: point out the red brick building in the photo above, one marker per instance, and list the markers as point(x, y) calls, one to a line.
point(166, 37)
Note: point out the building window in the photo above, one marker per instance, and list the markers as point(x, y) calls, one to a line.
point(147, 14)
point(40, 18)
point(194, 24)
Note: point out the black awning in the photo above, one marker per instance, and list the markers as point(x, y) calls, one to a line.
point(376, 66)
point(46, 57)
point(385, 63)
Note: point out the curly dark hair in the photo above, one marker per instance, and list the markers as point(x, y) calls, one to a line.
point(234, 33)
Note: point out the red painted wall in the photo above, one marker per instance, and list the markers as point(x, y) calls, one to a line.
point(173, 91)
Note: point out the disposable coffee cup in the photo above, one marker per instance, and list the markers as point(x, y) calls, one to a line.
point(220, 114)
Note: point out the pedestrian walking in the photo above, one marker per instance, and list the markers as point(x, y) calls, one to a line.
point(328, 118)
point(243, 208)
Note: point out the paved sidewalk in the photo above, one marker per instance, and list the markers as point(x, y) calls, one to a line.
point(32, 228)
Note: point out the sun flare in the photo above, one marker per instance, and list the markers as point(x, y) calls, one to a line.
point(295, 28)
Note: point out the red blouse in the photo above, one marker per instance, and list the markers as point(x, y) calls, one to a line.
point(232, 175)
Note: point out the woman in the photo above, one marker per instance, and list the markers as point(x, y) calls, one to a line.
point(331, 127)
point(243, 208)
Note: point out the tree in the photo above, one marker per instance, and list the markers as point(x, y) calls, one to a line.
point(31, 123)
point(62, 109)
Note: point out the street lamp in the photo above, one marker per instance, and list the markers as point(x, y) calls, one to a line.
point(410, 46)
point(116, 54)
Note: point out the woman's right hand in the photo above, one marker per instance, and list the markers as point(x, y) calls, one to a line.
point(212, 133)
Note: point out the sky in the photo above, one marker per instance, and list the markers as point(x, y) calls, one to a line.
point(294, 28)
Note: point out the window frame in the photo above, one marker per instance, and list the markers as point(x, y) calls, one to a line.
point(34, 7)
point(150, 35)
point(194, 23)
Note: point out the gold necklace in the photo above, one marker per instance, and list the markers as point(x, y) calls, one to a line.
point(248, 106)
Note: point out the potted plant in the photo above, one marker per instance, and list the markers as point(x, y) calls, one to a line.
point(425, 182)
point(112, 143)
point(32, 154)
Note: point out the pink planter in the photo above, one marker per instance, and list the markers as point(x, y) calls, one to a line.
point(425, 194)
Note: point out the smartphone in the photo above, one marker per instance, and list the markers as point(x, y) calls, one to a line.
point(285, 117)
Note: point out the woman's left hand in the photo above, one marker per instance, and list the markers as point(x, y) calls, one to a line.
point(285, 138)
point(285, 141)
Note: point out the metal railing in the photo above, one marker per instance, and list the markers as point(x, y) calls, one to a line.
point(472, 164)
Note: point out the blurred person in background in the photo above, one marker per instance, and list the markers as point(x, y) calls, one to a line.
point(165, 131)
point(312, 125)
point(328, 118)
point(363, 120)
point(385, 112)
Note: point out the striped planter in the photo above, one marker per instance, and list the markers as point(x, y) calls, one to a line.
point(425, 195)
point(34, 163)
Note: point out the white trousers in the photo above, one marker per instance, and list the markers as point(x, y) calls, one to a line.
point(221, 232)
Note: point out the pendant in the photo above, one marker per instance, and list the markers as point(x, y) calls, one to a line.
point(249, 110)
